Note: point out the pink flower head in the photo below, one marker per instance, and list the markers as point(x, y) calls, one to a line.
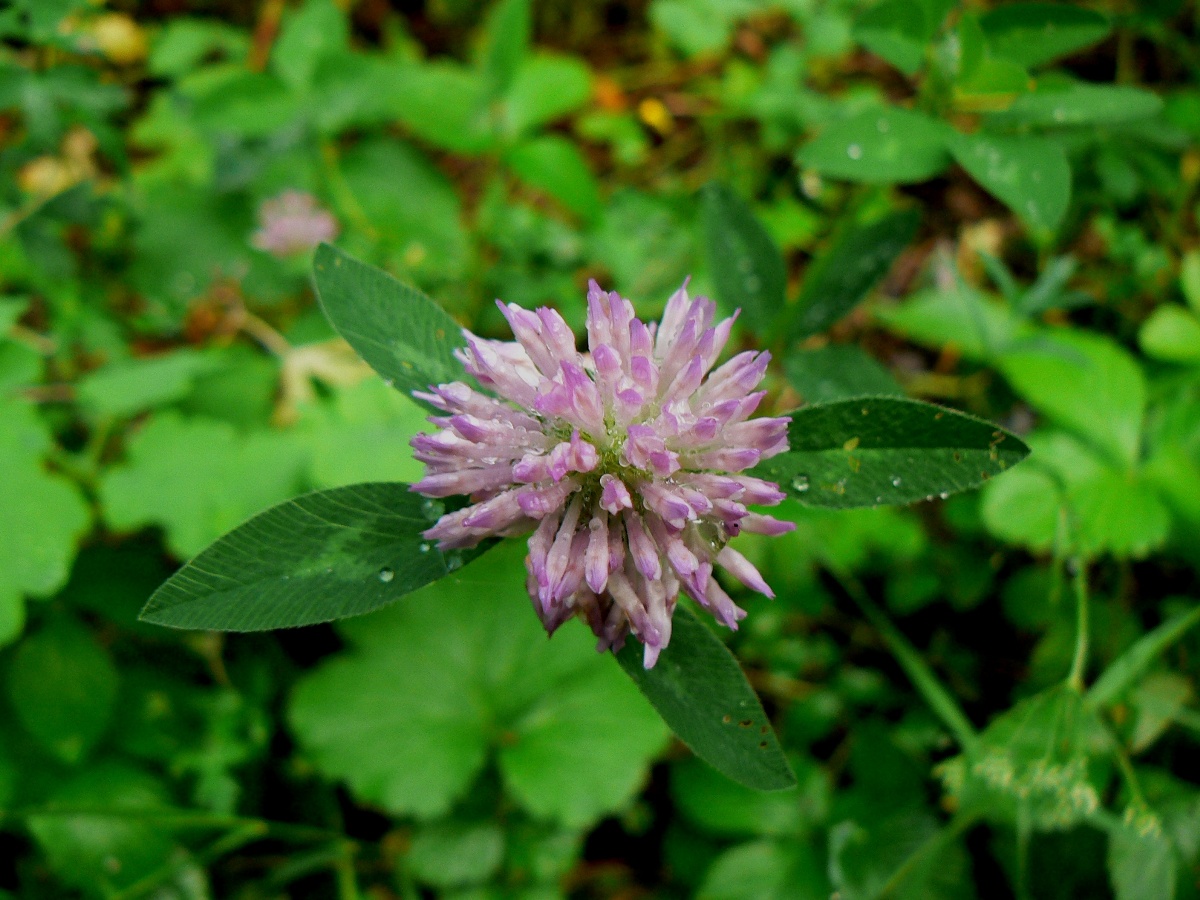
point(623, 462)
point(293, 223)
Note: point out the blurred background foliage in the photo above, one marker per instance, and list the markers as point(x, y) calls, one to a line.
point(1012, 189)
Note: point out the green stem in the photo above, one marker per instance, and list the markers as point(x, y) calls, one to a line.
point(936, 842)
point(1079, 663)
point(1127, 773)
point(913, 664)
point(216, 850)
point(1024, 834)
point(347, 884)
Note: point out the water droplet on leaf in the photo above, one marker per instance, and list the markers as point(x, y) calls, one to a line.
point(896, 481)
point(386, 575)
point(854, 151)
point(800, 484)
point(424, 548)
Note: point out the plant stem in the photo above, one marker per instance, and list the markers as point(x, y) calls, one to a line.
point(936, 842)
point(913, 664)
point(1079, 663)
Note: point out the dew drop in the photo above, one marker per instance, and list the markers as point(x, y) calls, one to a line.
point(854, 151)
point(945, 495)
point(896, 481)
point(390, 382)
point(453, 562)
point(424, 548)
point(800, 484)
point(432, 509)
point(386, 575)
point(884, 126)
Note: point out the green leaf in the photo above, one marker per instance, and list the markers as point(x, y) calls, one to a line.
point(130, 386)
point(508, 31)
point(896, 31)
point(854, 262)
point(1157, 701)
point(362, 433)
point(747, 269)
point(1141, 861)
point(462, 673)
point(1029, 174)
point(723, 807)
point(197, 478)
point(11, 309)
point(445, 104)
point(904, 856)
point(451, 854)
point(1127, 668)
point(334, 553)
point(98, 852)
point(1109, 510)
point(42, 517)
point(885, 146)
point(555, 165)
point(1172, 333)
point(766, 870)
point(1037, 755)
point(62, 686)
point(837, 372)
point(1031, 34)
point(1086, 382)
point(961, 317)
point(315, 30)
point(401, 333)
point(545, 88)
point(875, 451)
point(1078, 103)
point(700, 691)
point(1189, 279)
point(1049, 291)
point(413, 205)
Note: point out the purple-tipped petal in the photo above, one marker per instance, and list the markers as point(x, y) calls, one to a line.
point(622, 462)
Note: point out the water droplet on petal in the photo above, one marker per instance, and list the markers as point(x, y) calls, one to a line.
point(386, 575)
point(800, 484)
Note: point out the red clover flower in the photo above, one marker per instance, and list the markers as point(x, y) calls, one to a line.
point(623, 462)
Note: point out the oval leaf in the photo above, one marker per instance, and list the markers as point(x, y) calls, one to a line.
point(1030, 175)
point(1035, 33)
point(859, 256)
point(747, 268)
point(1080, 103)
point(701, 693)
point(319, 557)
point(885, 146)
point(401, 333)
point(877, 451)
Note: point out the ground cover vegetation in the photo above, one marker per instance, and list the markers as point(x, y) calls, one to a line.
point(979, 692)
